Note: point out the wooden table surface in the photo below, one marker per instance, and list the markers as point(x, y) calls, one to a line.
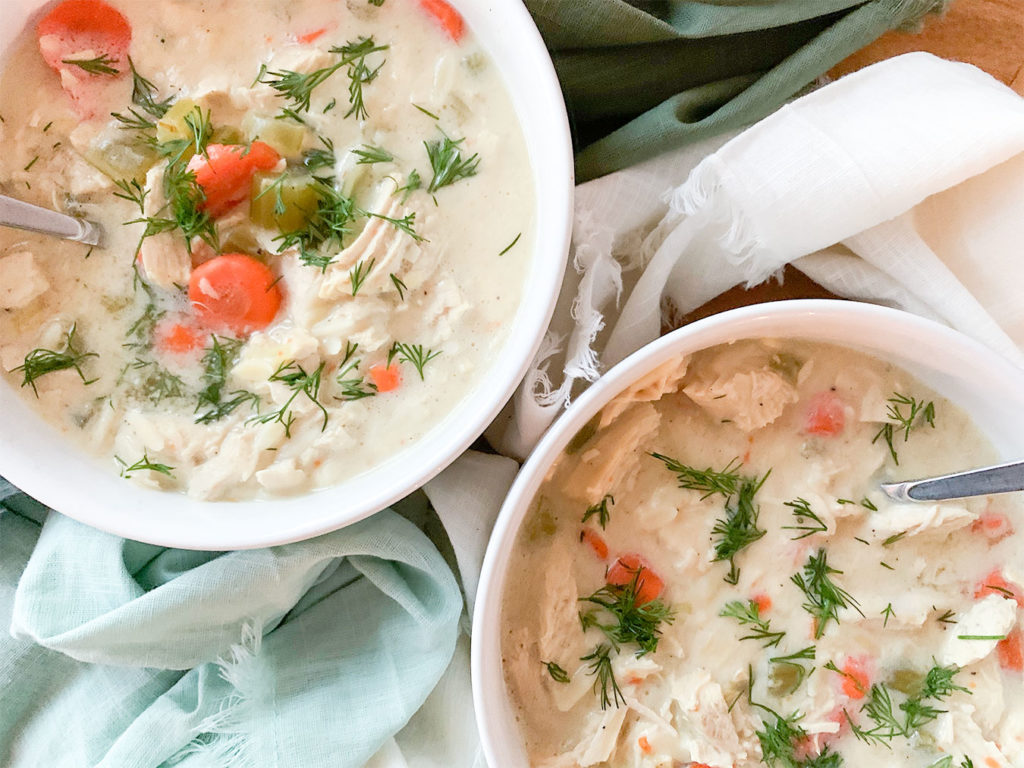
point(986, 33)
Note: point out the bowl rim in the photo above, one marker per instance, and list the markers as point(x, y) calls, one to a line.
point(92, 494)
point(495, 721)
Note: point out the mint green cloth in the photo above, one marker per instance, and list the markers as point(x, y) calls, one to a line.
point(127, 655)
point(643, 78)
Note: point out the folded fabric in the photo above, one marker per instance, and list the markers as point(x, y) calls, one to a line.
point(642, 78)
point(900, 184)
point(124, 654)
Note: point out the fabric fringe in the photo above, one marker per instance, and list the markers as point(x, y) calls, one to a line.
point(538, 379)
point(702, 195)
point(222, 740)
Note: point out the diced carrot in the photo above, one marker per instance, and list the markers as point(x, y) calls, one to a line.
point(826, 415)
point(645, 745)
point(1011, 655)
point(80, 30)
point(449, 19)
point(994, 526)
point(856, 682)
point(995, 584)
point(178, 338)
point(593, 539)
point(225, 172)
point(234, 292)
point(649, 585)
point(386, 377)
point(763, 603)
point(311, 36)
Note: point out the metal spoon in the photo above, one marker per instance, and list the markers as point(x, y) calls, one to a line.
point(21, 215)
point(1001, 478)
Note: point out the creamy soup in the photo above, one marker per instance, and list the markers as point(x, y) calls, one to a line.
point(710, 576)
point(317, 217)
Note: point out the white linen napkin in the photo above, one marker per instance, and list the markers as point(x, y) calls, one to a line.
point(902, 184)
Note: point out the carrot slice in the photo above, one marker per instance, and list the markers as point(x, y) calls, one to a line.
point(235, 293)
point(826, 415)
point(449, 19)
point(645, 745)
point(649, 585)
point(225, 172)
point(178, 338)
point(84, 30)
point(996, 584)
point(763, 603)
point(1010, 652)
point(386, 377)
point(994, 526)
point(856, 682)
point(593, 539)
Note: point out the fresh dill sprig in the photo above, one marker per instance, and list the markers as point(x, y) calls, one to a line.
point(353, 387)
point(604, 682)
point(326, 225)
point(217, 361)
point(904, 421)
point(601, 510)
point(358, 274)
point(297, 87)
point(143, 464)
point(399, 285)
point(101, 65)
point(416, 354)
point(447, 162)
point(802, 512)
point(888, 612)
point(738, 529)
point(404, 224)
point(40, 362)
point(225, 407)
point(317, 159)
point(630, 620)
point(558, 674)
point(916, 710)
point(158, 383)
point(748, 614)
point(947, 617)
point(132, 191)
point(824, 596)
point(412, 183)
point(426, 112)
point(369, 155)
point(294, 376)
point(144, 94)
point(707, 481)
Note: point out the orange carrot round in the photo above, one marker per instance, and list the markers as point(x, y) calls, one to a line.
point(386, 377)
point(996, 584)
point(225, 172)
point(234, 293)
point(1010, 653)
point(649, 585)
point(449, 19)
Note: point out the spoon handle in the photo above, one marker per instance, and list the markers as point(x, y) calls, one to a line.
point(22, 215)
point(1002, 478)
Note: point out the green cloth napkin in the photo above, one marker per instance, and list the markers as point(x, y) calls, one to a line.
point(643, 78)
point(126, 655)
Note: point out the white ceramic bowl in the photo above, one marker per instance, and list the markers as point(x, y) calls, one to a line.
point(38, 460)
point(981, 382)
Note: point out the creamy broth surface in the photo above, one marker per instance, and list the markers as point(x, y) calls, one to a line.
point(380, 332)
point(777, 610)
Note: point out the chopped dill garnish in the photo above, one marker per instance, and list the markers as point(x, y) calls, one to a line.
point(916, 712)
point(447, 162)
point(946, 618)
point(868, 504)
point(326, 225)
point(297, 87)
point(601, 510)
point(412, 183)
point(630, 620)
point(399, 285)
point(894, 538)
point(404, 224)
point(143, 464)
point(294, 376)
point(352, 387)
point(604, 682)
point(317, 159)
point(40, 362)
point(416, 354)
point(824, 596)
point(369, 155)
point(217, 361)
point(802, 512)
point(888, 612)
point(358, 274)
point(426, 112)
point(886, 566)
point(144, 94)
point(97, 66)
point(509, 247)
point(899, 421)
point(708, 481)
point(558, 674)
point(792, 662)
point(748, 614)
point(31, 162)
point(981, 637)
point(132, 191)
